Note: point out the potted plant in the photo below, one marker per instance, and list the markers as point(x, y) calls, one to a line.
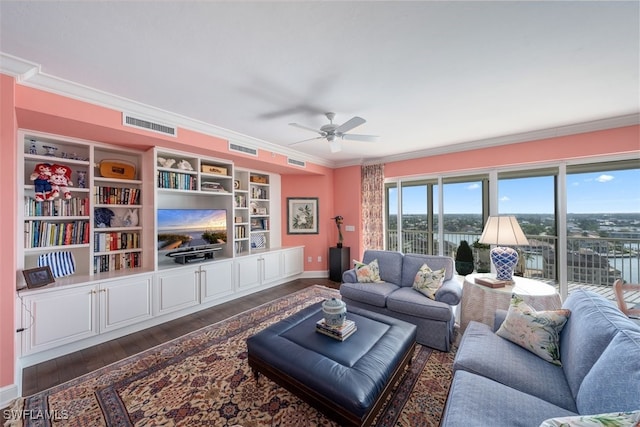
point(464, 259)
point(483, 257)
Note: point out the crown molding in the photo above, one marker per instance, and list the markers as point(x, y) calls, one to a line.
point(30, 74)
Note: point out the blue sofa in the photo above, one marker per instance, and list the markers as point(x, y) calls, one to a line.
point(396, 297)
point(497, 382)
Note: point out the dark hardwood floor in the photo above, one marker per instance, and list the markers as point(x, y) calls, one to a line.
point(64, 368)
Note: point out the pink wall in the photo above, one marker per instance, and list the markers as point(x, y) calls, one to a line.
point(8, 218)
point(591, 144)
point(315, 244)
point(348, 202)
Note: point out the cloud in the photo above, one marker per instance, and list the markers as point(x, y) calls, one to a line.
point(505, 199)
point(604, 178)
point(473, 186)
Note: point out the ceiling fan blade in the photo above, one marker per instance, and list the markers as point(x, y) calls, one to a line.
point(356, 137)
point(305, 140)
point(350, 124)
point(307, 128)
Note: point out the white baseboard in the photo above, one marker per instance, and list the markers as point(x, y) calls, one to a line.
point(321, 274)
point(7, 394)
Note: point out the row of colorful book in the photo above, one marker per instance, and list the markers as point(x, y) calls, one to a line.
point(339, 333)
point(57, 207)
point(40, 234)
point(116, 196)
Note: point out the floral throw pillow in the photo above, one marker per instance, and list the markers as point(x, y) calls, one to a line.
point(614, 419)
point(368, 273)
point(428, 281)
point(537, 331)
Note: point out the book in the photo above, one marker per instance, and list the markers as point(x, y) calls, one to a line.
point(336, 337)
point(343, 331)
point(492, 283)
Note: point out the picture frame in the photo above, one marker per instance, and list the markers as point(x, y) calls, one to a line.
point(302, 215)
point(37, 277)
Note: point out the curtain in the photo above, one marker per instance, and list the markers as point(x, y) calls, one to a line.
point(372, 206)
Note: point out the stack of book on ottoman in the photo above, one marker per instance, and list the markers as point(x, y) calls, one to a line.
point(340, 333)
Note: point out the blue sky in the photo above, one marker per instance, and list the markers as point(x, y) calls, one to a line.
point(600, 192)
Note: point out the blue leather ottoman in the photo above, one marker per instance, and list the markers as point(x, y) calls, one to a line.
point(347, 380)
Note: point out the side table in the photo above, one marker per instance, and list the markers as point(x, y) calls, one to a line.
point(338, 262)
point(480, 302)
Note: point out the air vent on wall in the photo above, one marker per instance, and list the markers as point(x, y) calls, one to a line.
point(136, 122)
point(242, 149)
point(295, 162)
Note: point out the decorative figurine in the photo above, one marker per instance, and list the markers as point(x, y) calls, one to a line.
point(82, 179)
point(32, 148)
point(184, 165)
point(339, 220)
point(51, 151)
point(166, 163)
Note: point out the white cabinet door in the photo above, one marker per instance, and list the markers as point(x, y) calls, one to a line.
point(293, 261)
point(271, 266)
point(56, 318)
point(177, 289)
point(125, 302)
point(216, 280)
point(248, 271)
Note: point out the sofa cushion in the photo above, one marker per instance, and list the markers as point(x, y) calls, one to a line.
point(368, 293)
point(536, 331)
point(477, 401)
point(427, 281)
point(413, 262)
point(367, 273)
point(409, 301)
point(593, 323)
point(619, 369)
point(611, 419)
point(390, 264)
point(484, 353)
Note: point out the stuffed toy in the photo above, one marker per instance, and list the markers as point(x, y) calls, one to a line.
point(40, 177)
point(60, 180)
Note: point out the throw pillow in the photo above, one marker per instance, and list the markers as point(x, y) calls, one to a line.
point(367, 273)
point(536, 331)
point(428, 281)
point(614, 419)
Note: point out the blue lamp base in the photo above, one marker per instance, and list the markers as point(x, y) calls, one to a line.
point(504, 259)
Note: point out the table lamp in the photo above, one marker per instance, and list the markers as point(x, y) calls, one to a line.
point(503, 230)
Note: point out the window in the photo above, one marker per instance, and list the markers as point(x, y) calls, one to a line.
point(531, 197)
point(603, 223)
point(463, 211)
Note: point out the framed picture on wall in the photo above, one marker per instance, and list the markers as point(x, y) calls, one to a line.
point(36, 277)
point(302, 215)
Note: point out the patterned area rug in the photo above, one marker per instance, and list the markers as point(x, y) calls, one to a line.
point(203, 379)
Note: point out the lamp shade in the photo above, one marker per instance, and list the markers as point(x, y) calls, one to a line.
point(503, 230)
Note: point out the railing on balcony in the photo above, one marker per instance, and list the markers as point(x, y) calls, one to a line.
point(595, 261)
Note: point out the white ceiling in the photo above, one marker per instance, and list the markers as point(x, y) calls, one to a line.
point(424, 74)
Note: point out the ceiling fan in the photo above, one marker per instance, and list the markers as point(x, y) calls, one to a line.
point(334, 133)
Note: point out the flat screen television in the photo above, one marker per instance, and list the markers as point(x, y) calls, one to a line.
point(191, 228)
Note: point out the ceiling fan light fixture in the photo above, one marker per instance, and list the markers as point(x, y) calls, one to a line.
point(334, 145)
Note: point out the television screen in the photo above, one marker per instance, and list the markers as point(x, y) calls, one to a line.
point(187, 228)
